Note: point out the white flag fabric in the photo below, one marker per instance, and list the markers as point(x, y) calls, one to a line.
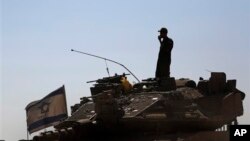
point(48, 111)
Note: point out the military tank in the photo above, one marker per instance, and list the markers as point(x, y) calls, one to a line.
point(165, 109)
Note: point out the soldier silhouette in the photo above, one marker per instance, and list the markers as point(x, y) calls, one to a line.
point(164, 57)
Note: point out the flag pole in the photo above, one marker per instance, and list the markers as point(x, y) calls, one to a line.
point(45, 115)
point(27, 130)
point(27, 135)
point(65, 100)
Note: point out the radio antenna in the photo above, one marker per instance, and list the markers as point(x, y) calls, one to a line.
point(107, 68)
point(107, 60)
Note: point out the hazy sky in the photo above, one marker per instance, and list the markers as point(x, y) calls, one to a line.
point(37, 35)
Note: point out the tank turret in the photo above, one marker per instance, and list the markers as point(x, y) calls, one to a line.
point(170, 109)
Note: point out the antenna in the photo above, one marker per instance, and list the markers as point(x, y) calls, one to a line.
point(208, 70)
point(107, 60)
point(107, 68)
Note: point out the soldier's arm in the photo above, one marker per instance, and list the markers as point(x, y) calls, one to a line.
point(159, 38)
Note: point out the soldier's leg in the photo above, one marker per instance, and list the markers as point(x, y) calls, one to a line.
point(157, 72)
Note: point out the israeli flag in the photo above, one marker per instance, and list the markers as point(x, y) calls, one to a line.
point(48, 111)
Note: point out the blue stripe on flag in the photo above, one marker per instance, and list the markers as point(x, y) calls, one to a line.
point(46, 121)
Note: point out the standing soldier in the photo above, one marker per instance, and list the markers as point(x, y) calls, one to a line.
point(164, 58)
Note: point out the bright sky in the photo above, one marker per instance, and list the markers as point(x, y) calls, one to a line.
point(37, 35)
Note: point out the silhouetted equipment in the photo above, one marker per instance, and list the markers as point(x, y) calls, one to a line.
point(170, 110)
point(107, 60)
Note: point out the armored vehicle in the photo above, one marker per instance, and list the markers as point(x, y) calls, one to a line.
point(153, 110)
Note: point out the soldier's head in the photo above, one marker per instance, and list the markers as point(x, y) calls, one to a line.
point(163, 31)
